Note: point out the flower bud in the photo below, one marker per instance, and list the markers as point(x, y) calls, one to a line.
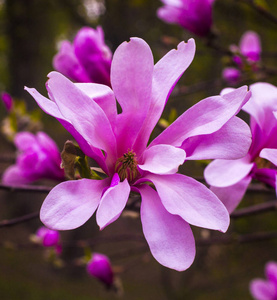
point(100, 267)
point(48, 237)
point(7, 100)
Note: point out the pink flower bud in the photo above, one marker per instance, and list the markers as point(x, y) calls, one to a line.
point(48, 237)
point(100, 267)
point(7, 100)
point(231, 75)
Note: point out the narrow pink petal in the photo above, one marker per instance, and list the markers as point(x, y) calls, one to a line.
point(51, 108)
point(102, 95)
point(84, 114)
point(233, 194)
point(131, 79)
point(231, 141)
point(162, 159)
point(205, 117)
point(222, 173)
point(70, 204)
point(269, 154)
point(169, 237)
point(112, 203)
point(262, 289)
point(191, 200)
point(13, 175)
point(167, 71)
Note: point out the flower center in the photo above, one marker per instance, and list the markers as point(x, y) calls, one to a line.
point(126, 166)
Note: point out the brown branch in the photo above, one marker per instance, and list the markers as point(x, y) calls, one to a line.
point(26, 188)
point(15, 221)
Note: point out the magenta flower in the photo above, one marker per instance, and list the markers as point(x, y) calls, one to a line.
point(48, 237)
point(100, 267)
point(38, 158)
point(88, 59)
point(231, 75)
point(7, 100)
point(193, 15)
point(266, 289)
point(118, 143)
point(250, 46)
point(230, 178)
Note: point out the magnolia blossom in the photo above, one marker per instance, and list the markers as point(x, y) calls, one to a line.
point(230, 178)
point(88, 59)
point(38, 158)
point(231, 75)
point(118, 143)
point(193, 15)
point(48, 237)
point(250, 46)
point(100, 267)
point(266, 289)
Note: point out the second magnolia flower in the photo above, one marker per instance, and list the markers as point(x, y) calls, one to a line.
point(118, 143)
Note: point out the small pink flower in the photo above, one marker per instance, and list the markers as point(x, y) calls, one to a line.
point(118, 142)
point(229, 179)
point(250, 46)
point(193, 15)
point(265, 289)
point(231, 75)
point(38, 158)
point(88, 59)
point(48, 237)
point(100, 267)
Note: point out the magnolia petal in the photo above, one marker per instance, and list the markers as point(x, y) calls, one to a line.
point(232, 195)
point(167, 71)
point(169, 237)
point(231, 141)
point(250, 45)
point(24, 140)
point(191, 200)
point(13, 175)
point(262, 289)
point(205, 117)
point(102, 95)
point(269, 154)
point(131, 78)
point(271, 271)
point(70, 204)
point(112, 203)
point(88, 119)
point(222, 173)
point(162, 159)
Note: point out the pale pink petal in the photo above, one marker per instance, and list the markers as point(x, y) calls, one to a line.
point(262, 289)
point(13, 175)
point(84, 114)
point(131, 78)
point(169, 237)
point(205, 117)
point(269, 154)
point(25, 140)
point(233, 194)
point(191, 200)
point(231, 141)
point(70, 204)
point(167, 71)
point(49, 146)
point(51, 108)
point(222, 173)
point(112, 203)
point(102, 95)
point(162, 159)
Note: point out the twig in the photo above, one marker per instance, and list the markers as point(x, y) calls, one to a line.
point(26, 188)
point(15, 221)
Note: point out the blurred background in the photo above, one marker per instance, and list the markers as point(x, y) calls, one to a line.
point(30, 34)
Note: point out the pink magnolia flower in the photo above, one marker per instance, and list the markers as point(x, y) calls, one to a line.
point(231, 75)
point(7, 100)
point(118, 143)
point(193, 15)
point(88, 59)
point(100, 267)
point(266, 289)
point(38, 158)
point(230, 178)
point(48, 237)
point(250, 46)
